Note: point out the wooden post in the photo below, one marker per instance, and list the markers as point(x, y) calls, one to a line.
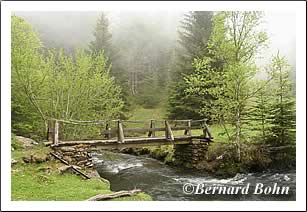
point(152, 133)
point(206, 131)
point(168, 131)
point(108, 134)
point(56, 133)
point(50, 130)
point(188, 131)
point(120, 134)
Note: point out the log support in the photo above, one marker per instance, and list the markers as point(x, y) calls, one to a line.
point(120, 134)
point(53, 131)
point(108, 130)
point(168, 131)
point(152, 132)
point(206, 131)
point(188, 131)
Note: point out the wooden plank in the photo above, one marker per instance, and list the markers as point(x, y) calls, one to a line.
point(120, 135)
point(116, 145)
point(56, 133)
point(138, 140)
point(141, 144)
point(48, 143)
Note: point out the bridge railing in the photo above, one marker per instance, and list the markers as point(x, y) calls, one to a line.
point(120, 132)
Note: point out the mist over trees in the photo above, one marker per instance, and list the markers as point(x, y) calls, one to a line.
point(197, 64)
point(102, 37)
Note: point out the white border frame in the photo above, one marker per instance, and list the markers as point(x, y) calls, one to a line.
point(298, 7)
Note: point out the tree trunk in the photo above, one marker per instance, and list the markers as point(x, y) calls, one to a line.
point(238, 134)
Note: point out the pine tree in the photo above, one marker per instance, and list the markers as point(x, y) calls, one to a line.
point(102, 37)
point(258, 114)
point(193, 36)
point(282, 112)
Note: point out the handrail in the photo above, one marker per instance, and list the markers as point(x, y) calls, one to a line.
point(53, 128)
point(127, 121)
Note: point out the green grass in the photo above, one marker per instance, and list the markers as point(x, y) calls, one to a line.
point(30, 183)
point(146, 114)
point(39, 150)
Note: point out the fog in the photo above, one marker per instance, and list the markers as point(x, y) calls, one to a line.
point(74, 29)
point(281, 30)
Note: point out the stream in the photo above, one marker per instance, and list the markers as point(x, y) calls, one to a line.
point(163, 182)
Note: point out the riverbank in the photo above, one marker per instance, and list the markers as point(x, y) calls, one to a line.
point(221, 159)
point(37, 176)
point(166, 183)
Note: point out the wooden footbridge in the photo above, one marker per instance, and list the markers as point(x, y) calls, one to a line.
point(114, 135)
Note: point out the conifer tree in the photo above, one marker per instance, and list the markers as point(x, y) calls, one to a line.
point(258, 114)
point(282, 108)
point(193, 37)
point(102, 37)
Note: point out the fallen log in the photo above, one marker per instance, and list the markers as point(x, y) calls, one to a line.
point(66, 163)
point(280, 147)
point(99, 197)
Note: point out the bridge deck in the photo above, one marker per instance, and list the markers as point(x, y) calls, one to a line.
point(122, 141)
point(132, 142)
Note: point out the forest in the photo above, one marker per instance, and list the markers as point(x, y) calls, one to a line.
point(205, 68)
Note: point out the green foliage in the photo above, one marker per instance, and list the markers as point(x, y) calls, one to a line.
point(234, 42)
point(183, 105)
point(193, 37)
point(257, 114)
point(58, 86)
point(26, 63)
point(149, 96)
point(282, 108)
point(272, 111)
point(163, 153)
point(236, 36)
point(80, 87)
